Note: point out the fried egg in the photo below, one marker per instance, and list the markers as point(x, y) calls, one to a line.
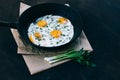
point(56, 33)
point(41, 23)
point(50, 31)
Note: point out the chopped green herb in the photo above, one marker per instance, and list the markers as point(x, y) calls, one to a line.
point(63, 34)
point(57, 42)
point(40, 28)
point(67, 29)
point(69, 38)
point(60, 40)
point(65, 26)
point(37, 27)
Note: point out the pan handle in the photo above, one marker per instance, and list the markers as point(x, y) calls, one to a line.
point(8, 24)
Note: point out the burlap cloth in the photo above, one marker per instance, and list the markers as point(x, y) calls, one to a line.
point(34, 58)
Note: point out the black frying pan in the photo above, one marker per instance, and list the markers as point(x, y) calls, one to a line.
point(34, 12)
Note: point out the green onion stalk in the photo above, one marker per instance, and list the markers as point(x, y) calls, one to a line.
point(81, 56)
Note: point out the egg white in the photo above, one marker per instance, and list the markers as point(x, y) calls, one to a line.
point(47, 40)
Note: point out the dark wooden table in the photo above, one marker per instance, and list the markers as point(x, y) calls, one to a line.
point(102, 26)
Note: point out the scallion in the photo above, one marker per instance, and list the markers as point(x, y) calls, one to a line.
point(81, 56)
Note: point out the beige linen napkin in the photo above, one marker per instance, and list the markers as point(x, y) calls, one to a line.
point(34, 61)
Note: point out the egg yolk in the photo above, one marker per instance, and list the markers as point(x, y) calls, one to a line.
point(56, 33)
point(41, 23)
point(37, 35)
point(62, 20)
point(31, 38)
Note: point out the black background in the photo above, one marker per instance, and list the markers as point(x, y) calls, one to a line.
point(102, 26)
